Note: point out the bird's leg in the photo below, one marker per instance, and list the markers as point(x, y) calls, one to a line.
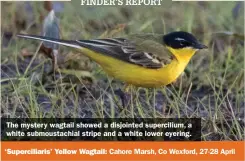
point(127, 95)
point(54, 59)
point(124, 95)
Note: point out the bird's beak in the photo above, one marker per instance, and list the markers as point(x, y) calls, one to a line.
point(200, 46)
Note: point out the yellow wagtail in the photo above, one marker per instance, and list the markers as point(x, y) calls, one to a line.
point(150, 60)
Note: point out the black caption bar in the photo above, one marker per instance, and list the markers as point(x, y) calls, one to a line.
point(88, 129)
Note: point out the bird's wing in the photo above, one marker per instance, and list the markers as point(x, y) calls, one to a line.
point(141, 51)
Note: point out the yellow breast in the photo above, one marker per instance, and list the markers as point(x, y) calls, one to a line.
point(137, 75)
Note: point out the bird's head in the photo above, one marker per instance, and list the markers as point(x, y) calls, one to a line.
point(182, 44)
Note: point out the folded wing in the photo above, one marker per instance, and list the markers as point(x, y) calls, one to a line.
point(147, 53)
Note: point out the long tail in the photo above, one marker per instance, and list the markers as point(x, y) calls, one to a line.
point(68, 43)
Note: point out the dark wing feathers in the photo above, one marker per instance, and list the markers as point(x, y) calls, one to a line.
point(139, 53)
point(111, 47)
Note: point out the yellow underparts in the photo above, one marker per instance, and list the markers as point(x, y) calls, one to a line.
point(140, 76)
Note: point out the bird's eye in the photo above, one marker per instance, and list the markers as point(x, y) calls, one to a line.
point(184, 43)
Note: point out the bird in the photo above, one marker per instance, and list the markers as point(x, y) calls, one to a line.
point(142, 60)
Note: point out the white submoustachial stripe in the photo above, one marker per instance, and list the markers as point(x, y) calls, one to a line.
point(60, 42)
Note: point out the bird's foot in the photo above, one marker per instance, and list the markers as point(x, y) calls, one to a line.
point(124, 96)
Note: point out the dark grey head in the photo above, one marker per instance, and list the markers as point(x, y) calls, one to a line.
point(181, 39)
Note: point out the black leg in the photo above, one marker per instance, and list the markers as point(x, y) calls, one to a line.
point(124, 96)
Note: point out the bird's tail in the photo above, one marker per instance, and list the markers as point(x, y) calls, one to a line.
point(68, 43)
